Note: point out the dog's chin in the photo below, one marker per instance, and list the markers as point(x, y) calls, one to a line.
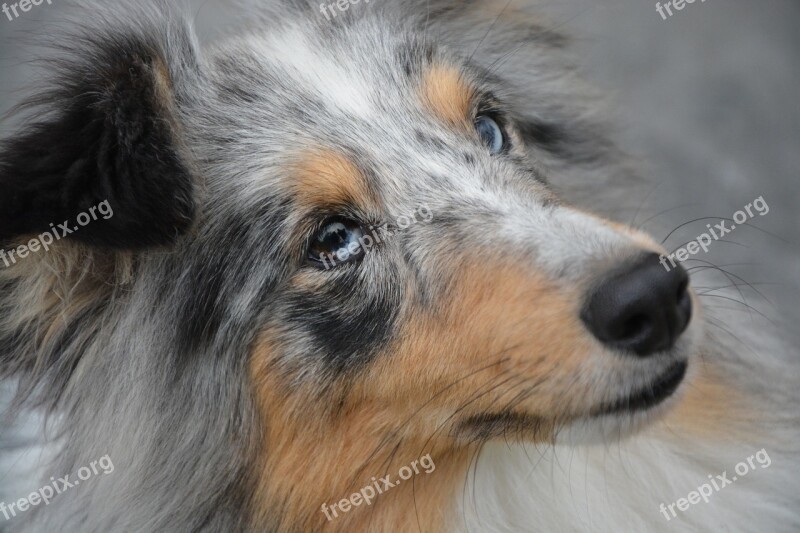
point(627, 415)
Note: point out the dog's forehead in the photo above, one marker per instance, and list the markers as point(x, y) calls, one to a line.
point(395, 106)
point(358, 74)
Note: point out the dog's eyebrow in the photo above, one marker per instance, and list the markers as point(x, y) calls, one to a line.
point(325, 178)
point(445, 92)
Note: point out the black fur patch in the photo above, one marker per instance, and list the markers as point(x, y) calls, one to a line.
point(348, 326)
point(106, 132)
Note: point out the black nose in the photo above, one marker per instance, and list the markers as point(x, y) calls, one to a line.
point(643, 309)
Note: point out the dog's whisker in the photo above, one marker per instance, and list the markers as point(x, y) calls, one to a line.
point(730, 275)
point(664, 212)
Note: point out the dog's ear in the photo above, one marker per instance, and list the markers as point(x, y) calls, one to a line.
point(108, 130)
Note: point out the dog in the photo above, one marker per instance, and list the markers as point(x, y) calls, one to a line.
point(517, 361)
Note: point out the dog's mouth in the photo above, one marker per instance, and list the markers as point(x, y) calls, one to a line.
point(508, 423)
point(655, 393)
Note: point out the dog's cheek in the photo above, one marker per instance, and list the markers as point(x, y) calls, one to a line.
point(496, 331)
point(347, 319)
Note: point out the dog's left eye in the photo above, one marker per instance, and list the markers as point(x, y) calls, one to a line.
point(490, 133)
point(339, 241)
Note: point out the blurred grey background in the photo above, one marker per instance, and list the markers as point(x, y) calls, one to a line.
point(707, 98)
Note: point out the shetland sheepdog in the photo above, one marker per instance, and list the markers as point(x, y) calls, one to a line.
point(351, 280)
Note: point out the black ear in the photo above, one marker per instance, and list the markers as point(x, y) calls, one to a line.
point(107, 130)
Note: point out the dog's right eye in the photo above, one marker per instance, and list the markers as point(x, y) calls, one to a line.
point(491, 134)
point(337, 242)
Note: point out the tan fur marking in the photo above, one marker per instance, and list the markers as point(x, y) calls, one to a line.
point(312, 456)
point(500, 313)
point(324, 178)
point(163, 83)
point(447, 95)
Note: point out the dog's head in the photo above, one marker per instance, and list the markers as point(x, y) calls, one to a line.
point(356, 223)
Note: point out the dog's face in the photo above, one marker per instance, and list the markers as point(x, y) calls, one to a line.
point(371, 221)
point(434, 290)
point(427, 268)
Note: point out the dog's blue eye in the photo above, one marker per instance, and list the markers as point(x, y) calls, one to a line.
point(490, 133)
point(339, 241)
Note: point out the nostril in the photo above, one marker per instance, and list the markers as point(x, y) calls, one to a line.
point(642, 309)
point(634, 326)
